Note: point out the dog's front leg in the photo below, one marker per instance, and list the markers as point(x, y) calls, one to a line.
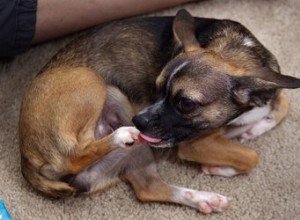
point(149, 187)
point(262, 123)
point(218, 155)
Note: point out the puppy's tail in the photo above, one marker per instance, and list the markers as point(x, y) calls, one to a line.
point(51, 188)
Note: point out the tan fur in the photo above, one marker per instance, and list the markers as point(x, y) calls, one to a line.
point(122, 64)
point(215, 150)
point(70, 146)
point(281, 107)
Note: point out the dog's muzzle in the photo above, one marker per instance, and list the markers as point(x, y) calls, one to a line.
point(141, 122)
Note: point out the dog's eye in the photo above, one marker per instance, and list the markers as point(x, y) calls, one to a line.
point(185, 105)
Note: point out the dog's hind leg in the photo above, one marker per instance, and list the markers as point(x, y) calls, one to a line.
point(218, 155)
point(278, 112)
point(149, 187)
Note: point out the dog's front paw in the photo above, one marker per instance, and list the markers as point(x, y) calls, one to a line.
point(125, 136)
point(259, 128)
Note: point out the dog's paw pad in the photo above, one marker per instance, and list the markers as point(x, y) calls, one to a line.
point(125, 136)
point(219, 170)
point(217, 203)
point(205, 208)
point(207, 202)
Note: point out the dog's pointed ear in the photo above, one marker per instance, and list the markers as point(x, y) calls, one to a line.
point(256, 91)
point(184, 30)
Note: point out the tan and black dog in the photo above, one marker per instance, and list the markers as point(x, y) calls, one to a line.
point(191, 80)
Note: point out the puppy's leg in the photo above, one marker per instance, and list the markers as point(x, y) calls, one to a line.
point(61, 110)
point(218, 155)
point(279, 111)
point(116, 112)
point(122, 137)
point(149, 187)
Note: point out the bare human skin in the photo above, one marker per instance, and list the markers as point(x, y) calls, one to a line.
point(56, 18)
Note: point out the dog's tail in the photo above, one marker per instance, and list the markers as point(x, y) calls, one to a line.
point(51, 188)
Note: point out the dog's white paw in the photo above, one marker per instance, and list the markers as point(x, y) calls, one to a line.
point(259, 128)
point(125, 136)
point(206, 202)
point(219, 170)
point(213, 203)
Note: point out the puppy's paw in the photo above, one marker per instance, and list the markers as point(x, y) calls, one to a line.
point(214, 203)
point(125, 136)
point(207, 202)
point(219, 171)
point(259, 128)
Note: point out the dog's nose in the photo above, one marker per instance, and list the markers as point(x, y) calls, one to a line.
point(141, 122)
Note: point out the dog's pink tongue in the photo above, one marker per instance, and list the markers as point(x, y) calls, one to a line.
point(150, 139)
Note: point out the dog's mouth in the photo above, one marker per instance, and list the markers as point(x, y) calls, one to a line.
point(155, 141)
point(150, 139)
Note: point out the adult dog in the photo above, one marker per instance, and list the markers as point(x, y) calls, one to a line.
point(188, 79)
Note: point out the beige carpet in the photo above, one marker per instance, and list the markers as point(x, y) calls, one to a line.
point(271, 191)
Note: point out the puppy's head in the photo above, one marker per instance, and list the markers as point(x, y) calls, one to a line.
point(201, 91)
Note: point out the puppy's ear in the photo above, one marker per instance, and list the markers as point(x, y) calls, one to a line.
point(184, 30)
point(256, 91)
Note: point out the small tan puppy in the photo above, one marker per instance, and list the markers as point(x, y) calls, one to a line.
point(187, 79)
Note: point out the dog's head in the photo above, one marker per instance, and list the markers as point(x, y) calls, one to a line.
point(202, 91)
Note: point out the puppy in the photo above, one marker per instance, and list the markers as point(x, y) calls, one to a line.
point(223, 77)
point(187, 78)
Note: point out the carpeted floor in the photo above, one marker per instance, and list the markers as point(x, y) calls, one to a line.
point(271, 191)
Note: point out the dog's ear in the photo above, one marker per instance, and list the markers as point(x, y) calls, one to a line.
point(184, 30)
point(256, 91)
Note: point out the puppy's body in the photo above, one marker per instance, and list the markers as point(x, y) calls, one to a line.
point(72, 112)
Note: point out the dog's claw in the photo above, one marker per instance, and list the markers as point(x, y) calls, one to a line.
point(129, 143)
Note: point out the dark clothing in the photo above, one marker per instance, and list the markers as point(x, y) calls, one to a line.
point(17, 26)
